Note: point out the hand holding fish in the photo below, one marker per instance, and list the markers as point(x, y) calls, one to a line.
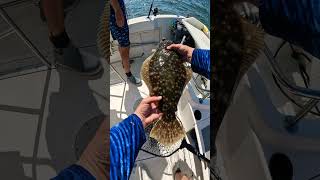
point(147, 110)
point(183, 50)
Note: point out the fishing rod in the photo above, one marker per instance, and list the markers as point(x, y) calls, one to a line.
point(150, 9)
point(190, 148)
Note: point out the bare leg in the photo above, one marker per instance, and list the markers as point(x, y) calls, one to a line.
point(54, 13)
point(124, 53)
point(95, 156)
point(67, 54)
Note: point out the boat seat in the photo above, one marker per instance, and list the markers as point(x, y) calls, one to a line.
point(195, 27)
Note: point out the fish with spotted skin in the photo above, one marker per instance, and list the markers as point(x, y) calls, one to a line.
point(237, 44)
point(166, 75)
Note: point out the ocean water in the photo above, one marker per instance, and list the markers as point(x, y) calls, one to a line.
point(199, 9)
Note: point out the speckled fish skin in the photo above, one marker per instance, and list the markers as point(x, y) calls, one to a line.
point(166, 75)
point(237, 45)
point(103, 34)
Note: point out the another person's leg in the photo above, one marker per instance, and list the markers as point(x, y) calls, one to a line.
point(53, 11)
point(95, 157)
point(124, 53)
point(121, 34)
point(69, 56)
point(124, 50)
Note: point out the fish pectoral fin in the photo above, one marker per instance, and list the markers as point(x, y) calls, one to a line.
point(144, 72)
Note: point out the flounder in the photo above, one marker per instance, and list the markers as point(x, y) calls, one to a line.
point(237, 44)
point(166, 75)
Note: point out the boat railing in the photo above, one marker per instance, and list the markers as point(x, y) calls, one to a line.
point(311, 94)
point(251, 14)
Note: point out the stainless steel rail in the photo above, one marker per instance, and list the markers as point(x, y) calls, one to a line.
point(313, 95)
point(297, 90)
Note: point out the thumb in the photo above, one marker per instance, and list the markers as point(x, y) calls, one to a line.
point(174, 46)
point(152, 118)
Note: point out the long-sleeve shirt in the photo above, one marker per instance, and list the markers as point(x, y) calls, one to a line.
point(296, 21)
point(200, 62)
point(128, 136)
point(74, 172)
point(126, 139)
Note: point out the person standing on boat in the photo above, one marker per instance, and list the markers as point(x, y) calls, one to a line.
point(66, 54)
point(120, 31)
point(128, 136)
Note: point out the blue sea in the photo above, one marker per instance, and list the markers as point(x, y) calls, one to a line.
point(199, 9)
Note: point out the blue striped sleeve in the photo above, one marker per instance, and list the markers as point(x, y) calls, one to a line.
point(200, 62)
point(126, 139)
point(74, 172)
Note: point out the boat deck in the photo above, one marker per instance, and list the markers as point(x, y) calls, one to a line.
point(42, 110)
point(254, 130)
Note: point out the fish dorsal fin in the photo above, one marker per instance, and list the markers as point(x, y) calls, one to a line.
point(144, 73)
point(103, 35)
point(253, 44)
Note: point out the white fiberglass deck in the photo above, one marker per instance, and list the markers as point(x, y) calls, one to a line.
point(41, 111)
point(254, 129)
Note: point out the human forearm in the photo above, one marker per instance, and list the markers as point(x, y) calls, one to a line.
point(126, 139)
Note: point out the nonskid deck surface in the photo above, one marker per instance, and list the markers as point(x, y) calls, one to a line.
point(123, 94)
point(42, 110)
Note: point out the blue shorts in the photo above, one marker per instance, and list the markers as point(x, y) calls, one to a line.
point(121, 34)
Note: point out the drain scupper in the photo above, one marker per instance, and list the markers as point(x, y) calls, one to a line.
point(197, 114)
point(280, 167)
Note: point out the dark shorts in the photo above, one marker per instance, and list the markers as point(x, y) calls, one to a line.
point(121, 34)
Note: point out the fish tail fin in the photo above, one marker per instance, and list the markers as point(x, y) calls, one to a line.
point(167, 132)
